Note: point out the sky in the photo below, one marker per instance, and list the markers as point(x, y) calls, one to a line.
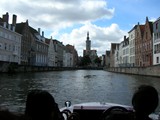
point(68, 21)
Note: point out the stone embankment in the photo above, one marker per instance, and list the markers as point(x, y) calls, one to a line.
point(153, 71)
point(6, 67)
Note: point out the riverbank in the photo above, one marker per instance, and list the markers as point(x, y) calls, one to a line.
point(15, 68)
point(153, 71)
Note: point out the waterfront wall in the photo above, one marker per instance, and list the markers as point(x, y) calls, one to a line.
point(6, 67)
point(147, 71)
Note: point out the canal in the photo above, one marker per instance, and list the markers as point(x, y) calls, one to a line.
point(77, 86)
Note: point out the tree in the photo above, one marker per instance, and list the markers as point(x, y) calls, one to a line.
point(97, 61)
point(86, 60)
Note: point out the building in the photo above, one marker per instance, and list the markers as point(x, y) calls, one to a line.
point(75, 54)
point(59, 48)
point(116, 56)
point(125, 49)
point(112, 54)
point(10, 41)
point(27, 44)
point(156, 42)
point(88, 52)
point(67, 58)
point(139, 31)
point(132, 46)
point(41, 48)
point(107, 59)
point(147, 44)
point(51, 52)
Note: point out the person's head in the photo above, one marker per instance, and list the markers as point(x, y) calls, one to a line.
point(40, 105)
point(145, 100)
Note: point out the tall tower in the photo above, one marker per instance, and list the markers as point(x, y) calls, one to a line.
point(88, 43)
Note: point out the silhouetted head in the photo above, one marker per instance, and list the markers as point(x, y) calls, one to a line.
point(40, 105)
point(145, 100)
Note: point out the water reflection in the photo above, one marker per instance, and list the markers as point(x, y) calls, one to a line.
point(77, 86)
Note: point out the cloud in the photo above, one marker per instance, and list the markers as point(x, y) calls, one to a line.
point(57, 14)
point(101, 37)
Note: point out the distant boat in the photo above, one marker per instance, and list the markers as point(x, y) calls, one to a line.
point(89, 76)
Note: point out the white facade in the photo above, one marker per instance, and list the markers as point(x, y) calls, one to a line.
point(120, 55)
point(125, 55)
point(41, 53)
point(156, 42)
point(67, 59)
point(132, 47)
point(51, 54)
point(116, 56)
point(10, 45)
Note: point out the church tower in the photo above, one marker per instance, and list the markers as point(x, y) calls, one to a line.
point(88, 43)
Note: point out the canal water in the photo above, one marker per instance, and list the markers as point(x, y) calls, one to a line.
point(76, 86)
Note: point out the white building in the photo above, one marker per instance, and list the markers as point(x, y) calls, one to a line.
point(116, 56)
point(132, 46)
point(120, 55)
point(10, 41)
point(41, 53)
point(51, 52)
point(156, 42)
point(41, 50)
point(67, 58)
point(124, 53)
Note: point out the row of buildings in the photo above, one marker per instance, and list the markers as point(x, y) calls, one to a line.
point(24, 45)
point(140, 49)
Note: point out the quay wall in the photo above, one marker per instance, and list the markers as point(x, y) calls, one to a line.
point(153, 71)
point(6, 67)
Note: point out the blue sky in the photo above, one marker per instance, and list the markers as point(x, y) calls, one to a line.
point(68, 21)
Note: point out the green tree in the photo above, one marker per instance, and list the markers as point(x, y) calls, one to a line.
point(97, 60)
point(86, 60)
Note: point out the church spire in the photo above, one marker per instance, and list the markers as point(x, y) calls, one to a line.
point(88, 42)
point(88, 35)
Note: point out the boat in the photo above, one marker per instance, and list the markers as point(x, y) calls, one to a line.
point(95, 110)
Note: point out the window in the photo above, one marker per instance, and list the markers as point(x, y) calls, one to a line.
point(157, 59)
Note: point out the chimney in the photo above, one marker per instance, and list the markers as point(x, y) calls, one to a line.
point(6, 17)
point(124, 38)
point(39, 31)
point(42, 33)
point(14, 19)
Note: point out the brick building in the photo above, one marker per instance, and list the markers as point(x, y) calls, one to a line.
point(147, 44)
point(139, 31)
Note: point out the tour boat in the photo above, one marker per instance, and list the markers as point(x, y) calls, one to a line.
point(94, 110)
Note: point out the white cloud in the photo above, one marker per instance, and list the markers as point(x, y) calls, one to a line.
point(101, 37)
point(57, 14)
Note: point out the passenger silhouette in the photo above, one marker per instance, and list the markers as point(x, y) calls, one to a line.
point(144, 101)
point(40, 105)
